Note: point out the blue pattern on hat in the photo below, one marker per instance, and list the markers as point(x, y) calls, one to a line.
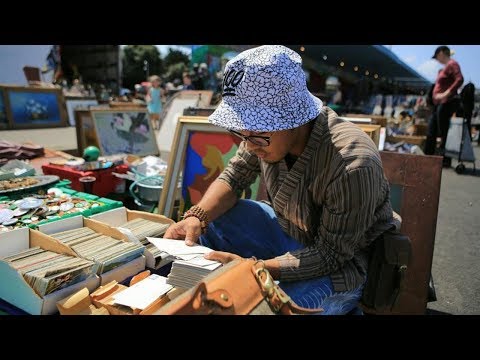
point(265, 89)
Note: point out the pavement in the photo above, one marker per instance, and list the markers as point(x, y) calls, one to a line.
point(456, 259)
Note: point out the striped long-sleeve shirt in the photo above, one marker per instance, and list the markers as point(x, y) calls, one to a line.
point(334, 200)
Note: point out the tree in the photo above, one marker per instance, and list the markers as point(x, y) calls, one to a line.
point(176, 56)
point(176, 63)
point(134, 57)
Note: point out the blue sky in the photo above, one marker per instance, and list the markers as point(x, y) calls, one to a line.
point(419, 58)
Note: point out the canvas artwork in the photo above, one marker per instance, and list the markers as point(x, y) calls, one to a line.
point(201, 152)
point(35, 107)
point(124, 132)
point(172, 111)
point(78, 103)
point(206, 155)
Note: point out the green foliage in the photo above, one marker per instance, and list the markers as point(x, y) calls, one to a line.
point(133, 64)
point(175, 71)
point(175, 56)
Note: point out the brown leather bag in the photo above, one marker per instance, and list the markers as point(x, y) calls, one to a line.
point(239, 288)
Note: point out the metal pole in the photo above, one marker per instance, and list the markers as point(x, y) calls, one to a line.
point(146, 69)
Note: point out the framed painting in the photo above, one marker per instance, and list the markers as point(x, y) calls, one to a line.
point(171, 112)
point(3, 111)
point(73, 103)
point(124, 131)
point(34, 107)
point(200, 152)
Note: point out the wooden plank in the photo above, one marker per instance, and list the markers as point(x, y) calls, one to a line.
point(420, 176)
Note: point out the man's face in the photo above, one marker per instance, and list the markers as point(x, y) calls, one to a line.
point(281, 142)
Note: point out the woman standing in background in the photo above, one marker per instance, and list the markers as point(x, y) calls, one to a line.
point(449, 80)
point(154, 100)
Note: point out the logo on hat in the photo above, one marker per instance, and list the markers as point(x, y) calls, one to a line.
point(231, 80)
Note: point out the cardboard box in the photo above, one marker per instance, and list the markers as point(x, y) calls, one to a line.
point(13, 287)
point(120, 273)
point(120, 216)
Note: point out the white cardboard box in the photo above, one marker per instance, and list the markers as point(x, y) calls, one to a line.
point(120, 216)
point(15, 290)
point(119, 274)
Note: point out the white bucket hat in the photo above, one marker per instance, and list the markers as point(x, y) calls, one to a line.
point(264, 89)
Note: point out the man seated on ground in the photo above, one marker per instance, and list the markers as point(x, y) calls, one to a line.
point(324, 176)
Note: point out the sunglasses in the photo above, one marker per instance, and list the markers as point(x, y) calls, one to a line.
point(257, 140)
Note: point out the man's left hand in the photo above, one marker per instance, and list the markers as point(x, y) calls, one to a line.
point(221, 256)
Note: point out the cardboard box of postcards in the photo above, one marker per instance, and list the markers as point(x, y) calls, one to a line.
point(115, 257)
point(34, 279)
point(136, 226)
point(104, 300)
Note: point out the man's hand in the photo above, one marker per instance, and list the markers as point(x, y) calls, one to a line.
point(442, 96)
point(221, 256)
point(189, 229)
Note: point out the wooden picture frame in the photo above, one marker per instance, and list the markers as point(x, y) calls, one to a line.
point(86, 135)
point(73, 103)
point(124, 131)
point(171, 112)
point(200, 151)
point(34, 107)
point(414, 189)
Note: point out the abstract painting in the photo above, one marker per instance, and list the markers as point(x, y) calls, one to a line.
point(201, 152)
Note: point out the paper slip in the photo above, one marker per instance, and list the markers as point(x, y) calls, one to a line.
point(202, 262)
point(143, 293)
point(178, 248)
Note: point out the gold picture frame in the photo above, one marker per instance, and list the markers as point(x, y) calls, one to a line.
point(29, 107)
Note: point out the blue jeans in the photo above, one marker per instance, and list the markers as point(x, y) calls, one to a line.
point(251, 228)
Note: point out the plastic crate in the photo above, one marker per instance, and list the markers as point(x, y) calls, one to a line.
point(105, 184)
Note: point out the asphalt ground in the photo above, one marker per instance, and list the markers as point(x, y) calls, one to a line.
point(456, 259)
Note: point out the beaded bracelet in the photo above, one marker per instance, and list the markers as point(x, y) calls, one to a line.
point(200, 214)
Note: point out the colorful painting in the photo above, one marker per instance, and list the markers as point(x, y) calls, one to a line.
point(206, 156)
point(33, 108)
point(200, 152)
point(124, 132)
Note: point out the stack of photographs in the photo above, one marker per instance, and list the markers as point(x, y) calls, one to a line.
point(107, 252)
point(47, 271)
point(142, 228)
point(187, 273)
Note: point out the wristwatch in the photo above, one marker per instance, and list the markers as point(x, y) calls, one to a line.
point(200, 214)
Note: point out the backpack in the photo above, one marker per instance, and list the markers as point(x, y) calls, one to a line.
point(389, 258)
point(467, 101)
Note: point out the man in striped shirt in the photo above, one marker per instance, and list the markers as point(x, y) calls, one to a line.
point(324, 177)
